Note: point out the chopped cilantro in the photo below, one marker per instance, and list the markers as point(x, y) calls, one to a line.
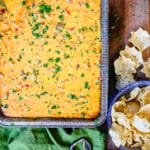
point(23, 2)
point(57, 69)
point(59, 113)
point(58, 7)
point(61, 17)
point(70, 75)
point(10, 59)
point(57, 51)
point(72, 96)
point(37, 35)
point(67, 36)
point(87, 5)
point(82, 75)
point(66, 56)
point(24, 78)
point(5, 106)
point(54, 107)
point(36, 27)
point(86, 85)
point(44, 93)
point(46, 42)
point(50, 60)
point(14, 91)
point(43, 8)
point(45, 65)
point(1, 36)
point(57, 60)
point(20, 57)
point(49, 111)
point(20, 98)
point(16, 36)
point(45, 29)
point(32, 43)
point(29, 61)
point(36, 72)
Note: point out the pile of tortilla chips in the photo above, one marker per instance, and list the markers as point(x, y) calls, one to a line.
point(131, 59)
point(131, 119)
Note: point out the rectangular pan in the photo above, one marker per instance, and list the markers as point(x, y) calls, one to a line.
point(76, 123)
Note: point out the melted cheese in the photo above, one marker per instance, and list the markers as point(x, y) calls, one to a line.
point(49, 58)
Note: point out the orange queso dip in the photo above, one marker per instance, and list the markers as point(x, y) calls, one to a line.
point(49, 58)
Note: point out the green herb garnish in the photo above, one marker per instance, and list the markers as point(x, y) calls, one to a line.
point(10, 59)
point(86, 85)
point(61, 17)
point(36, 72)
point(57, 51)
point(57, 60)
point(20, 98)
point(72, 96)
point(82, 75)
point(67, 36)
point(44, 93)
point(54, 107)
point(16, 36)
point(87, 5)
point(45, 65)
point(5, 106)
point(23, 3)
point(45, 29)
point(50, 60)
point(43, 8)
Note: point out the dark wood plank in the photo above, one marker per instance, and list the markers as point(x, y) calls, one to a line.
point(125, 16)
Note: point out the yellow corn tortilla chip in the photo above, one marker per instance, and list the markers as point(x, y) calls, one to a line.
point(140, 39)
point(146, 68)
point(134, 93)
point(132, 107)
point(146, 146)
point(125, 80)
point(121, 119)
point(119, 135)
point(124, 66)
point(144, 96)
point(141, 124)
point(133, 54)
point(144, 112)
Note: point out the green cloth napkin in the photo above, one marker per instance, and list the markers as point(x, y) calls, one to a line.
point(48, 139)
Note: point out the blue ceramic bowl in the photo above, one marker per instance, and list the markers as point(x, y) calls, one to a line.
point(122, 92)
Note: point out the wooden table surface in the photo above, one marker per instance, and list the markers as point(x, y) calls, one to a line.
point(124, 16)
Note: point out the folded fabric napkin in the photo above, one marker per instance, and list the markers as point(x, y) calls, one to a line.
point(48, 139)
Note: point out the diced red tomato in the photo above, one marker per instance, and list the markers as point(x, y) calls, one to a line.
point(3, 10)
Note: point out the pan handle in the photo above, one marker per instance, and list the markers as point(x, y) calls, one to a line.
point(85, 143)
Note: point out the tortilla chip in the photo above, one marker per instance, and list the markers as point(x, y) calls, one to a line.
point(117, 134)
point(119, 106)
point(124, 81)
point(133, 54)
point(140, 39)
point(132, 107)
point(121, 119)
point(146, 146)
point(146, 68)
point(124, 66)
point(134, 93)
point(141, 124)
point(144, 96)
point(144, 112)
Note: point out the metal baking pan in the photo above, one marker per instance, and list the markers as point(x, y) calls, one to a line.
point(76, 123)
